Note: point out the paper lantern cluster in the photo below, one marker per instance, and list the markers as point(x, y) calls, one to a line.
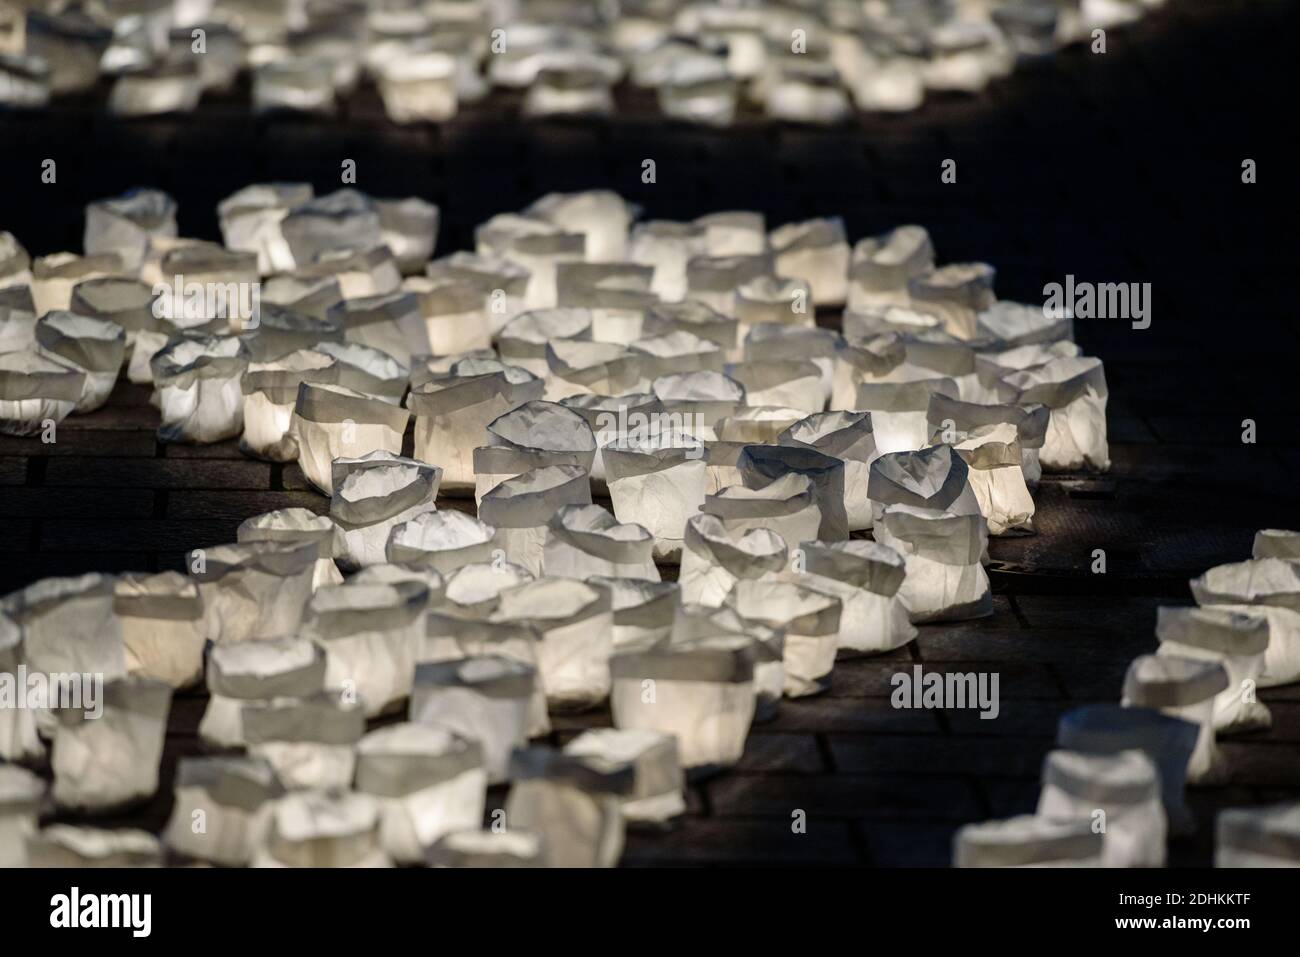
point(810, 62)
point(1112, 792)
point(476, 589)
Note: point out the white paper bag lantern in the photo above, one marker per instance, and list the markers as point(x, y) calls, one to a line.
point(534, 435)
point(611, 417)
point(443, 541)
point(1270, 586)
point(15, 265)
point(453, 630)
point(280, 330)
point(69, 625)
point(428, 782)
point(370, 634)
point(882, 266)
point(573, 801)
point(1236, 639)
point(1258, 836)
point(1013, 324)
point(487, 699)
point(453, 410)
point(860, 359)
point(55, 276)
point(373, 495)
point(18, 737)
point(409, 227)
point(383, 322)
point(702, 623)
point(700, 692)
point(124, 224)
point(713, 280)
point(811, 623)
point(524, 339)
point(1122, 786)
point(419, 88)
point(926, 511)
point(949, 417)
point(695, 402)
point(331, 422)
point(95, 346)
point(617, 293)
point(21, 794)
point(846, 436)
point(898, 410)
point(598, 368)
point(254, 590)
point(867, 578)
point(737, 233)
point(197, 388)
point(163, 629)
point(233, 798)
point(270, 393)
point(760, 465)
point(674, 353)
point(756, 424)
point(1075, 390)
point(343, 219)
point(668, 247)
point(584, 540)
point(993, 365)
point(17, 317)
point(479, 848)
point(454, 315)
point(63, 845)
point(1183, 688)
point(992, 456)
point(786, 506)
point(956, 294)
point(503, 283)
point(575, 624)
point(1276, 543)
point(697, 318)
point(657, 482)
point(651, 756)
point(35, 391)
point(109, 760)
point(771, 300)
point(790, 383)
point(715, 558)
point(295, 526)
point(535, 246)
point(602, 216)
point(387, 574)
point(313, 293)
point(776, 342)
point(253, 672)
point(250, 222)
point(130, 304)
point(1166, 740)
point(817, 252)
point(1028, 841)
point(310, 742)
point(324, 828)
point(645, 611)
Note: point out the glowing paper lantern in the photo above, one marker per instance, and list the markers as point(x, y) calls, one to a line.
point(253, 672)
point(233, 798)
point(428, 782)
point(163, 631)
point(1123, 787)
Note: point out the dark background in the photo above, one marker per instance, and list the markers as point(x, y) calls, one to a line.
point(1120, 167)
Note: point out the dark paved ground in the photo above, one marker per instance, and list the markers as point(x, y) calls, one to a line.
point(1123, 167)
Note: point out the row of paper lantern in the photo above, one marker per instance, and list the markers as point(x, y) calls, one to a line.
point(808, 63)
point(545, 601)
point(1113, 791)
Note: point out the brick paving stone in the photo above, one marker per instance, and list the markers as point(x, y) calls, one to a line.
point(766, 751)
point(160, 473)
point(237, 506)
point(152, 535)
point(77, 503)
point(13, 470)
point(843, 795)
point(907, 844)
point(827, 713)
point(91, 442)
point(714, 841)
point(931, 756)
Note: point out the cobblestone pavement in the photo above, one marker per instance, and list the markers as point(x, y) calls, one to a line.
point(1122, 167)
